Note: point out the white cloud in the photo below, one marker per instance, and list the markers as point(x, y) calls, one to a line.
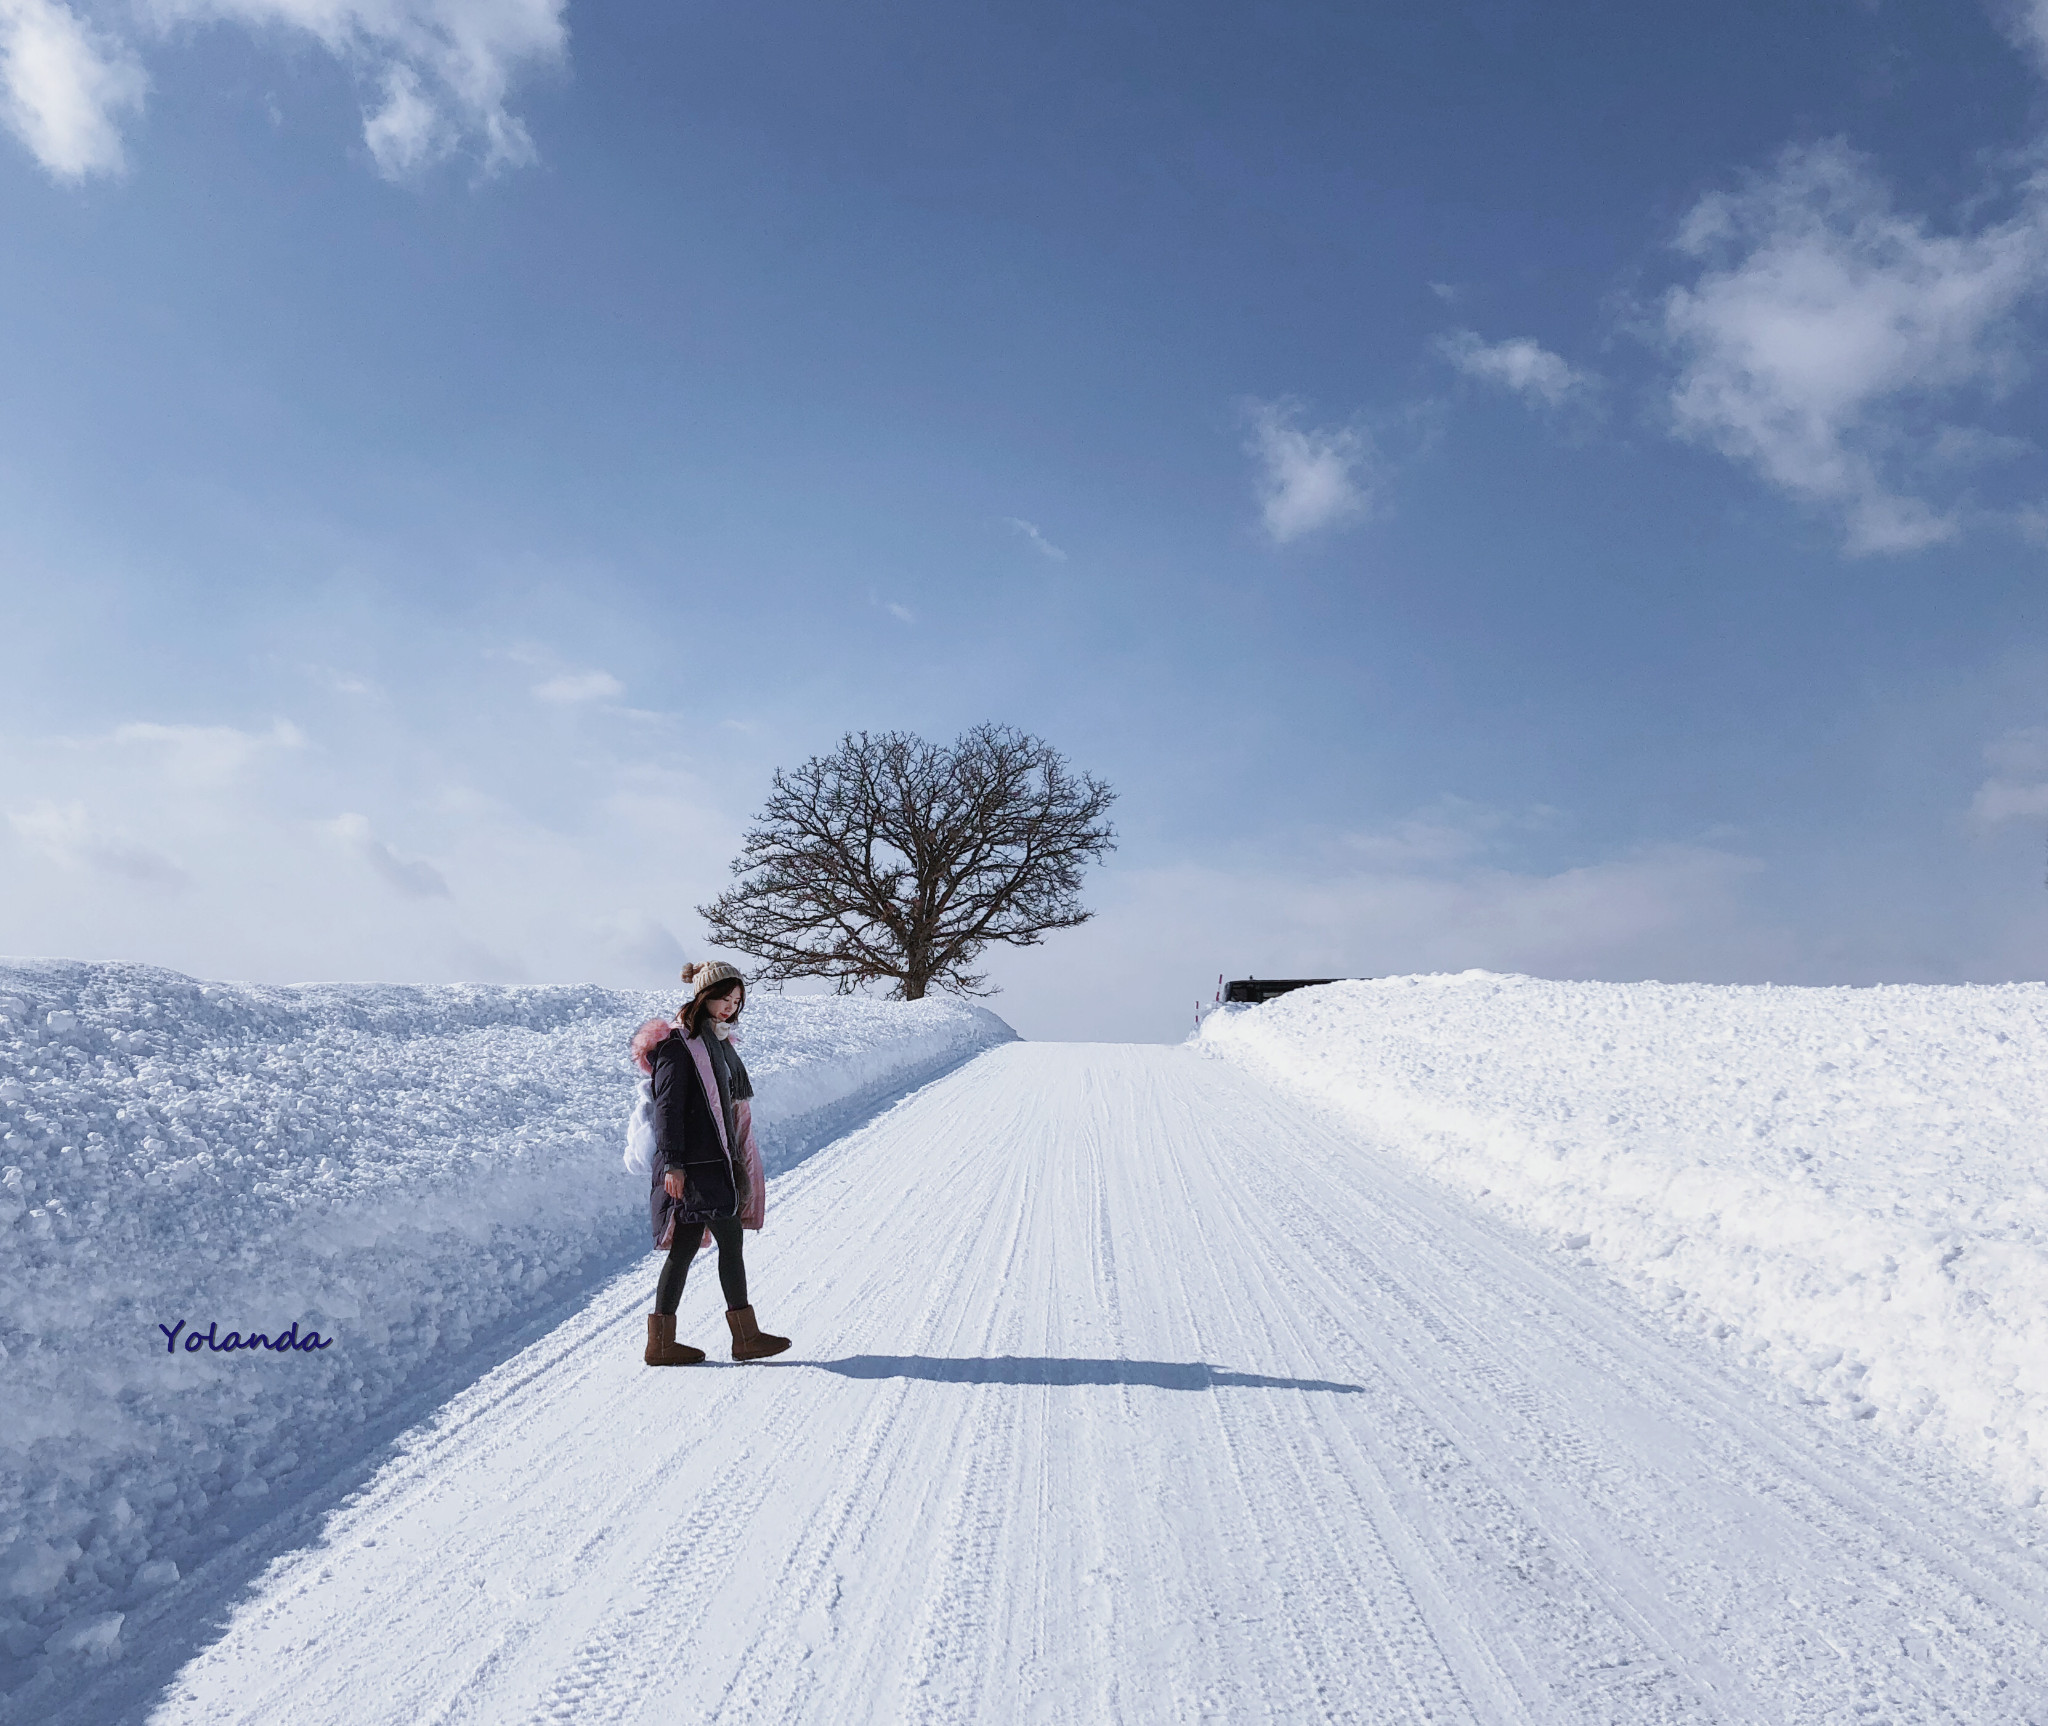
point(2018, 787)
point(1577, 921)
point(520, 837)
point(476, 963)
point(1972, 446)
point(1307, 479)
point(1519, 364)
point(1825, 323)
point(443, 73)
point(207, 753)
point(64, 87)
point(2002, 800)
point(411, 876)
point(345, 682)
point(1451, 830)
point(2024, 750)
point(901, 613)
point(408, 132)
point(69, 836)
point(1030, 531)
point(580, 686)
point(641, 948)
point(2026, 22)
point(1670, 910)
point(444, 69)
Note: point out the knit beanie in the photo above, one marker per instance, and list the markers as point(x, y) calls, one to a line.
point(707, 974)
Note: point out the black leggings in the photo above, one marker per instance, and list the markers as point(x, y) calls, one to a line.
point(732, 1269)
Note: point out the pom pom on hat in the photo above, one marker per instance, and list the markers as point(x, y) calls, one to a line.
point(707, 974)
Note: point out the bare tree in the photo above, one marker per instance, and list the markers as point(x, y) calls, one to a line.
point(893, 859)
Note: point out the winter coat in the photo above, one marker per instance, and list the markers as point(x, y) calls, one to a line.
point(721, 1170)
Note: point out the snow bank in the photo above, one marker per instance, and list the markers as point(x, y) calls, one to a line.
point(401, 1170)
point(1850, 1185)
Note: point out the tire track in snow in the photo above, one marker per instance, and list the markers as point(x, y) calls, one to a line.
point(1362, 1625)
point(772, 1676)
point(1620, 1367)
point(945, 1676)
point(1581, 1640)
point(1589, 1636)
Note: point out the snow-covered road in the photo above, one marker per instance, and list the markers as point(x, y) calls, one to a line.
point(1126, 1389)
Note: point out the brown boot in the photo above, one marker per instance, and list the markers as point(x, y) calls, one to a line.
point(662, 1347)
point(749, 1340)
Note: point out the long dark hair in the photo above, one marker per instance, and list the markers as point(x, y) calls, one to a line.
point(693, 1015)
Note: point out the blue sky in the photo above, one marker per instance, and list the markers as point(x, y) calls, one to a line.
point(1550, 488)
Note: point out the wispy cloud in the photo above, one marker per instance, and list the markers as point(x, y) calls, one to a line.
point(406, 131)
point(443, 70)
point(442, 74)
point(574, 686)
point(448, 868)
point(476, 963)
point(2026, 23)
point(642, 945)
point(1307, 478)
point(345, 682)
point(1825, 326)
point(2018, 786)
point(1658, 910)
point(411, 876)
point(1030, 531)
point(1520, 364)
point(205, 754)
point(1452, 830)
point(68, 835)
point(2001, 800)
point(64, 87)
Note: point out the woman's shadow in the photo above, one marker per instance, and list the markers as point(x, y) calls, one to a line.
point(1052, 1370)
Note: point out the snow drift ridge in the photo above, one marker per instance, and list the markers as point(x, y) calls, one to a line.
point(1848, 1185)
point(404, 1169)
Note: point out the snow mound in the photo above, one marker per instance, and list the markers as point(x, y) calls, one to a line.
point(403, 1171)
point(1848, 1185)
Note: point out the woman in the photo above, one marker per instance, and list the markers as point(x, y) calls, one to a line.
point(707, 1168)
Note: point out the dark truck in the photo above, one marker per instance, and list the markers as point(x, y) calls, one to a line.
point(1256, 989)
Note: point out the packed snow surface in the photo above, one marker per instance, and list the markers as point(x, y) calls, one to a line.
point(403, 1171)
point(1127, 1388)
point(1849, 1185)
